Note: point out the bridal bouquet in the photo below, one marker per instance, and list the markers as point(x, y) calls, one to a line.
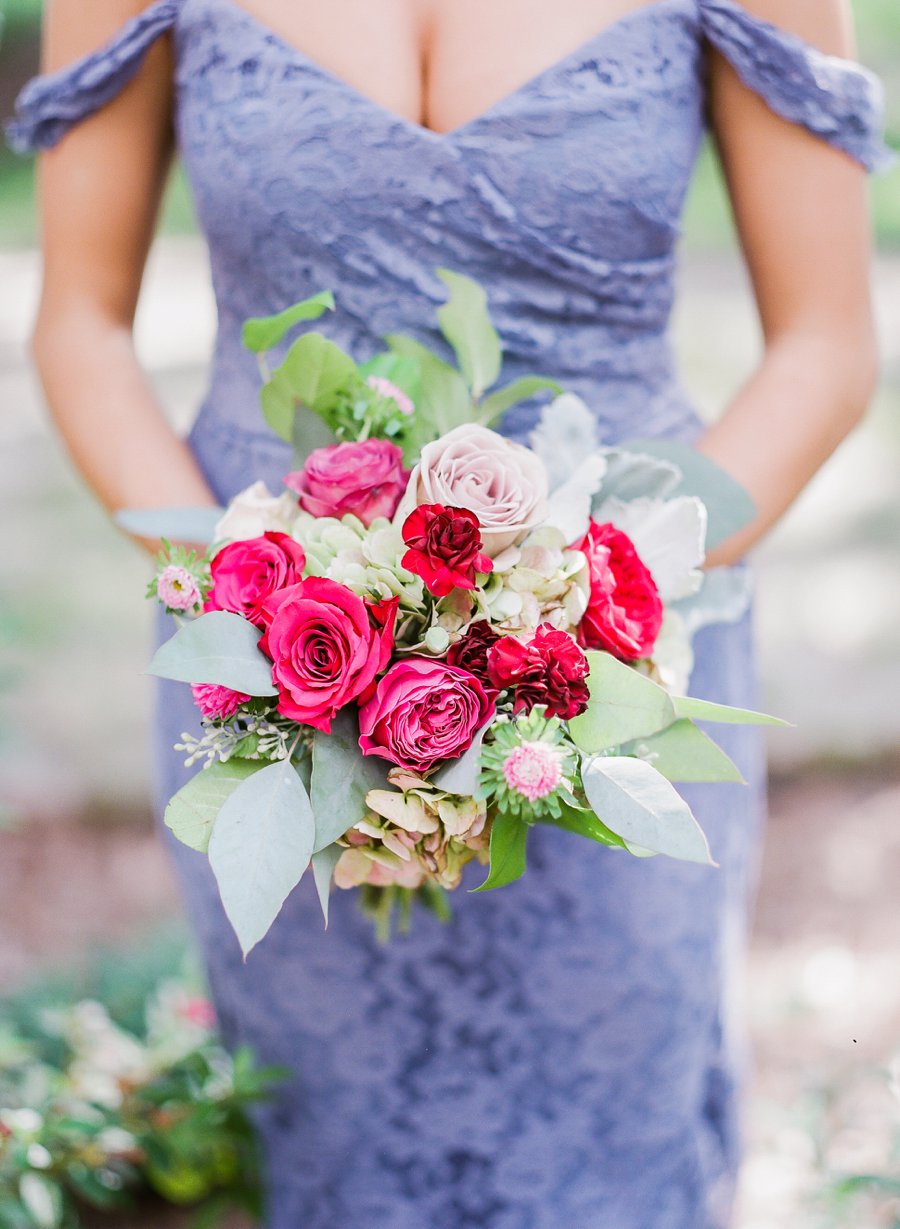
point(435, 638)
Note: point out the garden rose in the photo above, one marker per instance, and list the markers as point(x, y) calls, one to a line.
point(217, 703)
point(470, 652)
point(444, 548)
point(255, 511)
point(472, 467)
point(244, 574)
point(624, 611)
point(325, 648)
point(423, 712)
point(550, 669)
point(366, 479)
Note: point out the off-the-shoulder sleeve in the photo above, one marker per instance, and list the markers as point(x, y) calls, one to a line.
point(836, 99)
point(50, 105)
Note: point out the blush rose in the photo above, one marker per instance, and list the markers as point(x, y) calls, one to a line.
point(366, 479)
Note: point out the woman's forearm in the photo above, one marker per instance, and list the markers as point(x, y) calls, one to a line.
point(803, 399)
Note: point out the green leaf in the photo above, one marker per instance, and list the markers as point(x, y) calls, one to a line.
point(643, 808)
point(444, 399)
point(260, 846)
point(684, 753)
point(496, 405)
point(400, 369)
point(323, 863)
point(312, 373)
point(624, 705)
point(509, 835)
point(460, 776)
point(584, 823)
point(341, 778)
point(263, 332)
point(192, 812)
point(729, 506)
point(175, 524)
point(220, 648)
point(722, 714)
point(465, 322)
point(309, 433)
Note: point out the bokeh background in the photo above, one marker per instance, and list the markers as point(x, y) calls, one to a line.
point(79, 866)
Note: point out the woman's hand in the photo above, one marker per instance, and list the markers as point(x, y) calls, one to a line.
point(802, 215)
point(100, 191)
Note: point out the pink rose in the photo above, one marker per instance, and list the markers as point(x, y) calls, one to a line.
point(423, 712)
point(625, 611)
point(326, 647)
point(367, 479)
point(217, 703)
point(471, 467)
point(246, 573)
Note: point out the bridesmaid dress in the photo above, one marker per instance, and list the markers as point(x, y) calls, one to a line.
point(565, 1054)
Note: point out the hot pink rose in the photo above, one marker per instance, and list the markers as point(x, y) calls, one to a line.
point(326, 648)
point(247, 572)
point(217, 703)
point(366, 479)
point(625, 611)
point(423, 712)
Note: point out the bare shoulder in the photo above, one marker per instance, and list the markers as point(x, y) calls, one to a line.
point(826, 24)
point(73, 28)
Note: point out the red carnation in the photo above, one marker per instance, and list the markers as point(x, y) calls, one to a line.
point(550, 670)
point(470, 652)
point(625, 611)
point(444, 548)
point(247, 572)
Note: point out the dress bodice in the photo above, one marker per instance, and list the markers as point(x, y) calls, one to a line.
point(563, 198)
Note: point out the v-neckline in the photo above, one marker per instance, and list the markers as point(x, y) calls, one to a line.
point(581, 51)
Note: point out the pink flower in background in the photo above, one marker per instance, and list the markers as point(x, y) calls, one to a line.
point(423, 712)
point(533, 769)
point(325, 647)
point(366, 479)
point(199, 1011)
point(177, 588)
point(625, 612)
point(217, 702)
point(246, 573)
point(387, 388)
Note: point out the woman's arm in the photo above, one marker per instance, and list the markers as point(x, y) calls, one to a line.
point(100, 191)
point(802, 215)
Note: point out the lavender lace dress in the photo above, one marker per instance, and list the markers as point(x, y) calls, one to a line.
point(565, 1054)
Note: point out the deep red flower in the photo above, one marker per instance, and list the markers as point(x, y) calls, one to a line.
point(470, 652)
point(444, 548)
point(550, 669)
point(625, 611)
point(247, 572)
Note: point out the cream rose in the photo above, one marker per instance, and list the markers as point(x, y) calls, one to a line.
point(256, 511)
point(471, 467)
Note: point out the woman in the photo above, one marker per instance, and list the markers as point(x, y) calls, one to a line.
point(565, 1053)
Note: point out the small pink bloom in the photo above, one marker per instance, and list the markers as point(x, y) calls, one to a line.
point(199, 1011)
point(217, 703)
point(366, 479)
point(387, 388)
point(533, 770)
point(177, 588)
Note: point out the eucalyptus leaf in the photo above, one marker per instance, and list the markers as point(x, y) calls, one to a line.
point(509, 835)
point(584, 823)
point(684, 753)
point(263, 332)
point(323, 863)
point(192, 812)
point(460, 776)
point(495, 404)
point(623, 705)
point(341, 778)
point(642, 807)
point(728, 504)
point(220, 648)
point(465, 322)
point(175, 524)
point(722, 714)
point(313, 371)
point(260, 846)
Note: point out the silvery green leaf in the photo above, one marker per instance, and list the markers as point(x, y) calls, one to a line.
point(565, 436)
point(569, 505)
point(723, 597)
point(668, 534)
point(642, 807)
point(174, 524)
point(624, 705)
point(323, 863)
point(460, 776)
point(728, 504)
point(260, 846)
point(192, 812)
point(722, 714)
point(465, 322)
point(341, 778)
point(682, 752)
point(264, 332)
point(220, 648)
point(636, 475)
